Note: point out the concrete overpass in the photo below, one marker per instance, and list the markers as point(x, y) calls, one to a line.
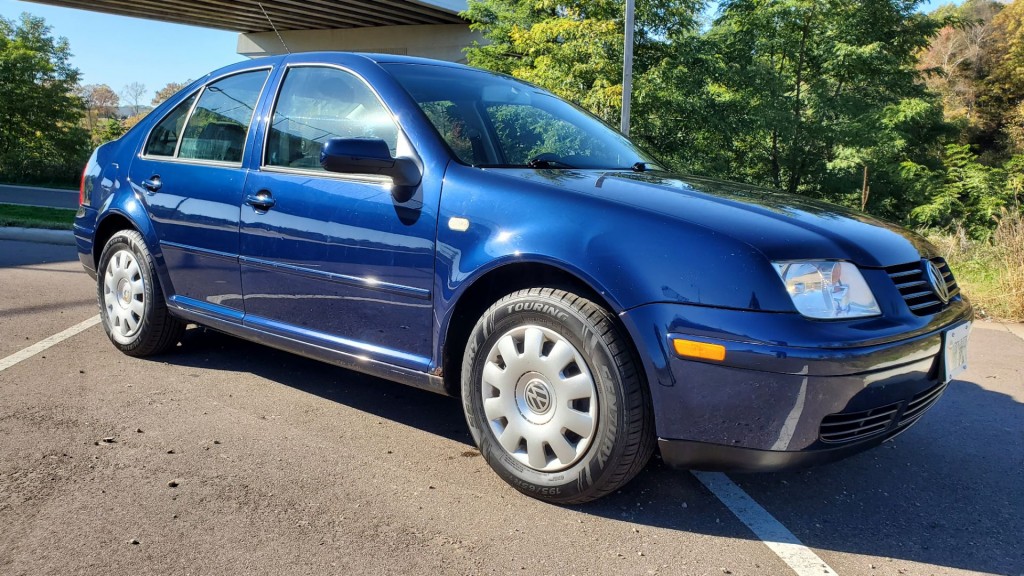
point(430, 28)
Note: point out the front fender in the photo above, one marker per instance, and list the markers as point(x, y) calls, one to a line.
point(629, 255)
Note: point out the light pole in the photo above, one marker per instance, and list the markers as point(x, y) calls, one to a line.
point(627, 70)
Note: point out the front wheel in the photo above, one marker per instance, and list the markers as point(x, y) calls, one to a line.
point(132, 305)
point(553, 398)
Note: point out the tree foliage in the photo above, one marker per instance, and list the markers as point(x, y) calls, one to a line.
point(823, 88)
point(1003, 100)
point(40, 136)
point(100, 102)
point(167, 91)
point(857, 102)
point(108, 129)
point(575, 49)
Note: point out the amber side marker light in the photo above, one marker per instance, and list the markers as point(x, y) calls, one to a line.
point(701, 350)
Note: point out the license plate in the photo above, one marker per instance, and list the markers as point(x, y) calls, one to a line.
point(955, 351)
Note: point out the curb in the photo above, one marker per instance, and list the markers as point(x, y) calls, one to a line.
point(38, 235)
point(1014, 328)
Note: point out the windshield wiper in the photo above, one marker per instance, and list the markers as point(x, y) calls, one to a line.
point(538, 163)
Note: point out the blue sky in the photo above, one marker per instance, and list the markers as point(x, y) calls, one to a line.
point(115, 50)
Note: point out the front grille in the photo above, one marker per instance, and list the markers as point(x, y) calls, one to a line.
point(920, 404)
point(851, 426)
point(911, 280)
point(847, 427)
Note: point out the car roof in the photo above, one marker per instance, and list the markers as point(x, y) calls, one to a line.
point(337, 57)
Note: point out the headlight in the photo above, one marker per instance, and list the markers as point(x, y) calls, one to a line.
point(827, 289)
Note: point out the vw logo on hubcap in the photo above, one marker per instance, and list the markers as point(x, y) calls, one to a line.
point(538, 397)
point(938, 282)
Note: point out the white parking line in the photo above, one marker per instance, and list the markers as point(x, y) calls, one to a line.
point(774, 535)
point(47, 343)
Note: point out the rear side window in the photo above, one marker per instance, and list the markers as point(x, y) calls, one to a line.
point(219, 124)
point(163, 140)
point(316, 104)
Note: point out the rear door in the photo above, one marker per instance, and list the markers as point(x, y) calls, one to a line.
point(190, 177)
point(334, 258)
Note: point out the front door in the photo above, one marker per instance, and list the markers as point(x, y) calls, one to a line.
point(333, 258)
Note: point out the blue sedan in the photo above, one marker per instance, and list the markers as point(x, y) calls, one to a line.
point(473, 235)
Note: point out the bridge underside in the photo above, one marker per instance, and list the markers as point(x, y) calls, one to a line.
point(430, 28)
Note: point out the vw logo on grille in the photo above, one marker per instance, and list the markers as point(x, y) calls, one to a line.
point(538, 398)
point(938, 282)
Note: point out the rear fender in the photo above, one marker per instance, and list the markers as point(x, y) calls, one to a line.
point(126, 204)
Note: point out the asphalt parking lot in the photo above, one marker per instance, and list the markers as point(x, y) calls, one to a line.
point(225, 457)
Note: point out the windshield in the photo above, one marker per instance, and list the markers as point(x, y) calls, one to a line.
point(493, 121)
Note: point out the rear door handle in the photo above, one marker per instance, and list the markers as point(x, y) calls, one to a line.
point(261, 200)
point(152, 184)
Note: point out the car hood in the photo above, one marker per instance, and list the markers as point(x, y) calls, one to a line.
point(780, 226)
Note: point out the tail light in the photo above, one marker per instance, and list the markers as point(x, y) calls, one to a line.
point(81, 187)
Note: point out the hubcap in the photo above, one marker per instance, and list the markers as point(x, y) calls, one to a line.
point(124, 296)
point(539, 398)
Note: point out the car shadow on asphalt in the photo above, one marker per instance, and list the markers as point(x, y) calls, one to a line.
point(946, 493)
point(430, 412)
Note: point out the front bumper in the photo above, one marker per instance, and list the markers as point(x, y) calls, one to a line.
point(791, 391)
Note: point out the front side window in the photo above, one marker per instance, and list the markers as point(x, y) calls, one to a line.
point(317, 104)
point(217, 129)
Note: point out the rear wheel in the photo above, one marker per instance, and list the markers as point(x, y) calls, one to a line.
point(553, 398)
point(132, 305)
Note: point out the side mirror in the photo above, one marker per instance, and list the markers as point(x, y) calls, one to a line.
point(371, 156)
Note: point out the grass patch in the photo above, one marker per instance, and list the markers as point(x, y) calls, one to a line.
point(36, 217)
point(48, 185)
point(990, 272)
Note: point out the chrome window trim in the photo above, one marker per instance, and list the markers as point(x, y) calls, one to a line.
point(356, 178)
point(199, 94)
point(191, 111)
point(273, 109)
point(193, 161)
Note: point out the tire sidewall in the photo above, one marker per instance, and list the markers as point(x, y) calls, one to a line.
point(555, 314)
point(132, 241)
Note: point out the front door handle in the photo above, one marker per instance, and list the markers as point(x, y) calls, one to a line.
point(261, 201)
point(152, 184)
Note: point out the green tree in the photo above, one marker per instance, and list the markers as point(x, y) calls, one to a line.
point(107, 130)
point(40, 136)
point(824, 89)
point(574, 49)
point(963, 192)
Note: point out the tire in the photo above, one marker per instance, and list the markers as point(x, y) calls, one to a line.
point(553, 398)
point(132, 305)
